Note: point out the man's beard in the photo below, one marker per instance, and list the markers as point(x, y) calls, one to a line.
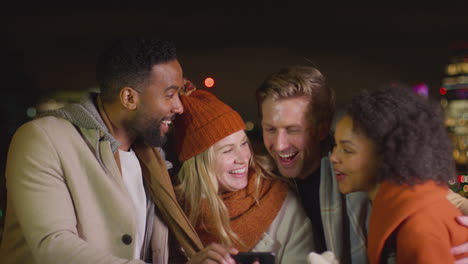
point(147, 129)
point(151, 134)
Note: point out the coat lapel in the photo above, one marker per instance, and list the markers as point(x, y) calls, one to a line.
point(162, 192)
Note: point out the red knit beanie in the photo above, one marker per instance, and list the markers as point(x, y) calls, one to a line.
point(205, 121)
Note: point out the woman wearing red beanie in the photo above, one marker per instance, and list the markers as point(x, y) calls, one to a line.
point(228, 198)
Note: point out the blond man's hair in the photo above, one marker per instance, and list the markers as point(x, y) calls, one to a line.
point(300, 81)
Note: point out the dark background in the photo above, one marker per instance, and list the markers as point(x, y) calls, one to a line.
point(50, 51)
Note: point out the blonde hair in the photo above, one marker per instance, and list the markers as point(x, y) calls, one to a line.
point(267, 166)
point(198, 182)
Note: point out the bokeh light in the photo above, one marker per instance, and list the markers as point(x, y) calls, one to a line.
point(249, 125)
point(31, 112)
point(209, 82)
point(442, 91)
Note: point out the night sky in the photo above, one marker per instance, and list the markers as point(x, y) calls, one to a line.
point(51, 49)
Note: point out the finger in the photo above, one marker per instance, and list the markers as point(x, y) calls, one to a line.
point(210, 255)
point(463, 248)
point(215, 256)
point(217, 247)
point(233, 251)
point(463, 220)
point(224, 252)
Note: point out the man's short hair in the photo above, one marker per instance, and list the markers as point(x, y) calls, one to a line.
point(129, 63)
point(299, 81)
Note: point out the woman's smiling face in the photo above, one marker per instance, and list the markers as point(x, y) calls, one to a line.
point(232, 156)
point(355, 159)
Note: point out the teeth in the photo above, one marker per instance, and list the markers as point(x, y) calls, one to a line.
point(243, 170)
point(167, 122)
point(287, 155)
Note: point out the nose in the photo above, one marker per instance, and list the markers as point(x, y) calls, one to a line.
point(334, 156)
point(242, 156)
point(281, 141)
point(177, 107)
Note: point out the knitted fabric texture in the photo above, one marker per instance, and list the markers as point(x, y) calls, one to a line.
point(205, 121)
point(248, 219)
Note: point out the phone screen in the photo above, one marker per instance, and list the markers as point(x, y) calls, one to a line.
point(251, 257)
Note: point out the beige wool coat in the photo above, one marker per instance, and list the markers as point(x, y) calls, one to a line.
point(67, 202)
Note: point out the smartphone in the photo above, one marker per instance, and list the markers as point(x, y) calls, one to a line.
point(250, 257)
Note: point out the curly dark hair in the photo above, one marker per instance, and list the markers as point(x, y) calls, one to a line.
point(409, 132)
point(129, 62)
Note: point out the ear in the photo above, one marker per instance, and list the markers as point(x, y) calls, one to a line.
point(129, 98)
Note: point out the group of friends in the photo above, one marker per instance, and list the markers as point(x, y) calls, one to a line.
point(89, 183)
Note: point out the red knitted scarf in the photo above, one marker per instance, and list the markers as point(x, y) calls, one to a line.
point(249, 220)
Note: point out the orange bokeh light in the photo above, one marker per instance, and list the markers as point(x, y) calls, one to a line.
point(209, 82)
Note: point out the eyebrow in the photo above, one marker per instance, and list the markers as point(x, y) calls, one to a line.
point(289, 126)
point(346, 141)
point(224, 146)
point(172, 87)
point(230, 145)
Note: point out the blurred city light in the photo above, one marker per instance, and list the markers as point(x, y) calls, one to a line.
point(442, 91)
point(249, 125)
point(421, 89)
point(31, 112)
point(209, 82)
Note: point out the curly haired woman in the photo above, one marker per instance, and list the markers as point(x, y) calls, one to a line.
point(392, 144)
